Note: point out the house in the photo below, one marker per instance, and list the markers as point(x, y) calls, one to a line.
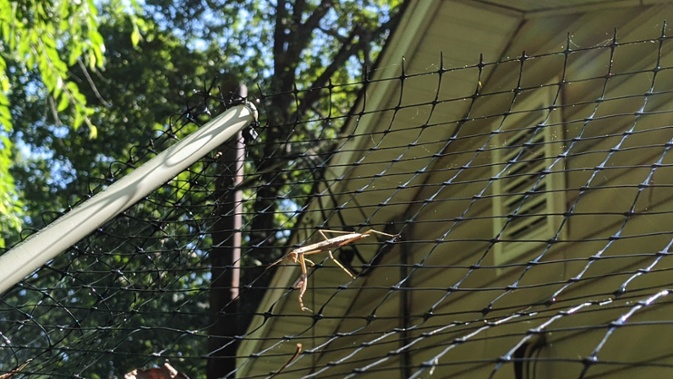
point(532, 196)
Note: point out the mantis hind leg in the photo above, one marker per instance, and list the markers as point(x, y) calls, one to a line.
point(340, 265)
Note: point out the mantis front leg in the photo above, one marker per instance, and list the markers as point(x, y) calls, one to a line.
point(298, 255)
point(303, 281)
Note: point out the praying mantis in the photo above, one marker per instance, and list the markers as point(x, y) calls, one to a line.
point(299, 255)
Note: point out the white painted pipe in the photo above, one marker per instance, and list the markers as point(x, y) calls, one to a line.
point(67, 230)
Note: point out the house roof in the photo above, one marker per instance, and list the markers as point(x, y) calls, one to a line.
point(455, 35)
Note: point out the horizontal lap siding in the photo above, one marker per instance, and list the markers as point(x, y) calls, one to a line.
point(451, 247)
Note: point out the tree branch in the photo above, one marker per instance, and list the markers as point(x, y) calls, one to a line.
point(92, 85)
point(347, 50)
point(298, 10)
point(279, 38)
point(301, 36)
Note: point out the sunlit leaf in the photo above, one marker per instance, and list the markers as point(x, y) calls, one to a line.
point(75, 53)
point(93, 131)
point(135, 36)
point(63, 103)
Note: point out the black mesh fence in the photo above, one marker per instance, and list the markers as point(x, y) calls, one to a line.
point(527, 212)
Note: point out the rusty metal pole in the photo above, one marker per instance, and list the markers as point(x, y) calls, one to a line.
point(225, 258)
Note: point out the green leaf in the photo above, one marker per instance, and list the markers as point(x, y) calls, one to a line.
point(58, 88)
point(77, 121)
point(72, 87)
point(4, 84)
point(48, 77)
point(64, 12)
point(96, 57)
point(6, 33)
point(24, 46)
point(75, 53)
point(4, 112)
point(93, 131)
point(52, 54)
point(63, 103)
point(135, 36)
point(6, 122)
point(79, 98)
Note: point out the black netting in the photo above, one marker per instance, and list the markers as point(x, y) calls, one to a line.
point(533, 206)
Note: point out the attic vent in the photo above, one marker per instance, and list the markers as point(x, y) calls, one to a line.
point(528, 201)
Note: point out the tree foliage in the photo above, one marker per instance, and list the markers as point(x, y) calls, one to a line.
point(47, 38)
point(141, 88)
point(295, 55)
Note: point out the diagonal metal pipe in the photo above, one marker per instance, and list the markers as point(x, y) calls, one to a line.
point(67, 230)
